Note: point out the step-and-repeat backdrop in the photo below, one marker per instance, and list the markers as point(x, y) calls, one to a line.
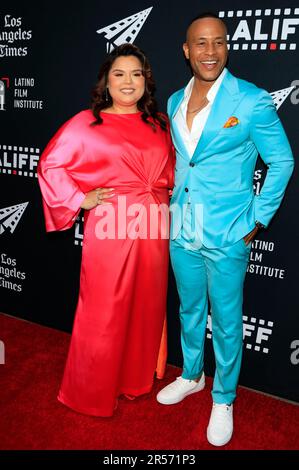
point(49, 59)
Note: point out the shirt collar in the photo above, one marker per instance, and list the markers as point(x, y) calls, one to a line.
point(212, 91)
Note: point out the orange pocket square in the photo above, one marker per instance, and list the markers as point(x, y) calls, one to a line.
point(231, 122)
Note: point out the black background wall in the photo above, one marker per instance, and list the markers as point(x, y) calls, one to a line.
point(49, 59)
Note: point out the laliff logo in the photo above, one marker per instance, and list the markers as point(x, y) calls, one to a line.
point(124, 30)
point(10, 217)
point(21, 161)
point(256, 333)
point(3, 80)
point(79, 229)
point(269, 29)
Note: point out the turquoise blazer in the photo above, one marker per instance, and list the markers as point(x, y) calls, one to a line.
point(218, 180)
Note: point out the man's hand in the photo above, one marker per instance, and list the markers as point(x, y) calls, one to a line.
point(250, 236)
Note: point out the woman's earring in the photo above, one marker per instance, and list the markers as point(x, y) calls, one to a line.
point(106, 94)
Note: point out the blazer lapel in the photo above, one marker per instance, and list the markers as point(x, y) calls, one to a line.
point(226, 101)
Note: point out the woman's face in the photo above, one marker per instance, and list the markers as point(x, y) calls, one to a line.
point(126, 82)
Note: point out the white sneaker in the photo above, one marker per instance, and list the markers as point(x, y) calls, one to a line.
point(176, 391)
point(220, 428)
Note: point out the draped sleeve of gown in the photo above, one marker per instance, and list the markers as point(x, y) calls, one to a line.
point(118, 335)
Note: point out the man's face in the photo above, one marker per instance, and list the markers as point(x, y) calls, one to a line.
point(206, 48)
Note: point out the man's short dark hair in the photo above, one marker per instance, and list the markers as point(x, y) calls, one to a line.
point(206, 14)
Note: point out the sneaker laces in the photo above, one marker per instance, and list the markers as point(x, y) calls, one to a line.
point(179, 383)
point(220, 416)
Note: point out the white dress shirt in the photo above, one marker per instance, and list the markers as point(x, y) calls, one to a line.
point(191, 138)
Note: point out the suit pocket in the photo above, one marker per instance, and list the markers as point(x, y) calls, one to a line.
point(229, 131)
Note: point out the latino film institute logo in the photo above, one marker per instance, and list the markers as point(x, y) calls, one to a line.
point(17, 92)
point(265, 30)
point(125, 30)
point(4, 83)
point(11, 216)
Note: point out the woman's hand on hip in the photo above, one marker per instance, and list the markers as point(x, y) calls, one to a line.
point(97, 196)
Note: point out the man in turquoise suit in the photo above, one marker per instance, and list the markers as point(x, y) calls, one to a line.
point(219, 126)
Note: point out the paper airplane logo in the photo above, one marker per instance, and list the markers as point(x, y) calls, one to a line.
point(280, 96)
point(10, 217)
point(124, 30)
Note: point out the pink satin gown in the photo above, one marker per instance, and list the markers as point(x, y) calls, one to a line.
point(121, 309)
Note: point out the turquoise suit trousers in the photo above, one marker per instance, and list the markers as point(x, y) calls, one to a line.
point(217, 274)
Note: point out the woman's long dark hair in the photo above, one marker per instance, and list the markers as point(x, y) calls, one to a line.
point(101, 98)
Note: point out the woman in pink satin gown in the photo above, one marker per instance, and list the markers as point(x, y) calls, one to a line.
point(116, 162)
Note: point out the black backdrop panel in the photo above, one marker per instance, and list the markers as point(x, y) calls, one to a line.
point(49, 59)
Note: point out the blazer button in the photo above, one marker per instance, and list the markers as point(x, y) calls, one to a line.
point(186, 189)
point(192, 164)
